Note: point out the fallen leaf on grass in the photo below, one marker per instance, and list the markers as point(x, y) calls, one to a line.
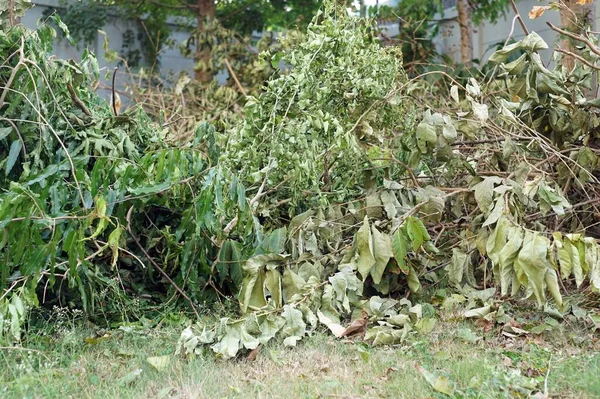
point(439, 383)
point(160, 363)
point(479, 312)
point(129, 378)
point(334, 327)
point(252, 355)
point(357, 327)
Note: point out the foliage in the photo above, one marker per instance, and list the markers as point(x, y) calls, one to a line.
point(488, 10)
point(240, 17)
point(417, 30)
point(365, 187)
point(492, 162)
point(11, 11)
point(90, 200)
point(84, 18)
point(324, 130)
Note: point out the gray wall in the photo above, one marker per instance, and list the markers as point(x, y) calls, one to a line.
point(171, 59)
point(488, 34)
point(448, 41)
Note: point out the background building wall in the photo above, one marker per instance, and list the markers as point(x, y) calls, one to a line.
point(485, 38)
point(171, 60)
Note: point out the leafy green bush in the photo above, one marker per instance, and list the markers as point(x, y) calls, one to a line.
point(97, 210)
point(328, 128)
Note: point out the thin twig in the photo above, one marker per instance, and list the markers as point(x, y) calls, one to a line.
point(578, 57)
point(77, 101)
point(573, 36)
point(516, 10)
point(235, 78)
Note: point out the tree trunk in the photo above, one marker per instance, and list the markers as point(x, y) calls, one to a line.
point(466, 31)
point(205, 11)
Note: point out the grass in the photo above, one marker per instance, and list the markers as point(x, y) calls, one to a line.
point(72, 364)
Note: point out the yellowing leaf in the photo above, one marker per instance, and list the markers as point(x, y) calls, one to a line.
point(584, 2)
point(382, 248)
point(364, 248)
point(537, 11)
point(533, 259)
point(336, 329)
point(160, 363)
point(440, 384)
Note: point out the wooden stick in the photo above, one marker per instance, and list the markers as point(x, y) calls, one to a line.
point(234, 76)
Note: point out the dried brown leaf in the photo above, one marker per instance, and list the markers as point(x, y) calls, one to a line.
point(253, 354)
point(537, 11)
point(357, 327)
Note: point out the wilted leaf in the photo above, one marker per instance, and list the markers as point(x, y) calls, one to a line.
point(364, 248)
point(357, 327)
point(335, 328)
point(160, 363)
point(413, 280)
point(507, 257)
point(382, 248)
point(480, 111)
point(458, 265)
point(484, 192)
point(538, 11)
point(467, 335)
point(533, 260)
point(426, 136)
point(479, 312)
point(439, 384)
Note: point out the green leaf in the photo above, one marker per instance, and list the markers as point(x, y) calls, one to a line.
point(507, 257)
point(400, 248)
point(382, 248)
point(416, 232)
point(364, 248)
point(457, 268)
point(439, 384)
point(273, 243)
point(484, 192)
point(157, 188)
point(4, 132)
point(13, 154)
point(533, 259)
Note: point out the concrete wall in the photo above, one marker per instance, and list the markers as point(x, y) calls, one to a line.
point(171, 59)
point(487, 35)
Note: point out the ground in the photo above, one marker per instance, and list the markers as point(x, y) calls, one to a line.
point(80, 361)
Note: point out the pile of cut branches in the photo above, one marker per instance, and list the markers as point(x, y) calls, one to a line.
point(494, 187)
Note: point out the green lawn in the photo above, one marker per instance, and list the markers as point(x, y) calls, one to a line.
point(71, 364)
